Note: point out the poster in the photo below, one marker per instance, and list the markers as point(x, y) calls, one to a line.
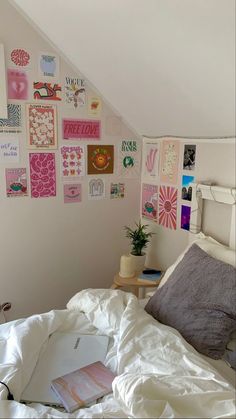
point(20, 57)
point(149, 201)
point(41, 126)
point(168, 207)
point(189, 157)
point(100, 159)
point(185, 217)
point(3, 85)
point(75, 93)
point(12, 124)
point(186, 188)
point(48, 66)
point(81, 128)
point(150, 163)
point(169, 161)
point(9, 150)
point(72, 193)
point(96, 189)
point(18, 85)
point(117, 190)
point(94, 105)
point(72, 161)
point(129, 158)
point(47, 91)
point(42, 175)
point(16, 182)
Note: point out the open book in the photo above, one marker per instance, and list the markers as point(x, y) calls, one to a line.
point(83, 386)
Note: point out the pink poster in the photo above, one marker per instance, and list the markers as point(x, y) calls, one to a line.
point(72, 161)
point(149, 201)
point(168, 207)
point(72, 193)
point(169, 161)
point(17, 84)
point(42, 126)
point(81, 128)
point(16, 182)
point(42, 174)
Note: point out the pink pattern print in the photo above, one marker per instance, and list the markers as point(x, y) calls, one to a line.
point(17, 84)
point(168, 207)
point(42, 174)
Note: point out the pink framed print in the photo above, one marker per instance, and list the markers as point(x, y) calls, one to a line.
point(42, 175)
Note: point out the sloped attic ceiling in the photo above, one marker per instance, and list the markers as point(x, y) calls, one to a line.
point(167, 66)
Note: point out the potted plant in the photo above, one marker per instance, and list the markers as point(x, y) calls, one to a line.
point(139, 238)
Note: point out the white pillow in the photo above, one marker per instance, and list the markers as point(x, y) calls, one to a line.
point(210, 246)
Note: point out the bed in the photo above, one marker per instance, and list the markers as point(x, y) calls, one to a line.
point(160, 374)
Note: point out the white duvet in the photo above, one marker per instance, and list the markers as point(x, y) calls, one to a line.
point(159, 374)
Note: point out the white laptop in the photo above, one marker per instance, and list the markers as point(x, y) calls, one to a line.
point(64, 353)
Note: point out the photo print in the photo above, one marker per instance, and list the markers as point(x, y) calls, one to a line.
point(186, 188)
point(189, 157)
point(117, 190)
point(185, 217)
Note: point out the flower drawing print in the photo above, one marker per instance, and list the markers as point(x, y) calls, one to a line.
point(168, 207)
point(42, 126)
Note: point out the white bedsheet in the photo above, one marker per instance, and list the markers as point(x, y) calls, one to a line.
point(160, 375)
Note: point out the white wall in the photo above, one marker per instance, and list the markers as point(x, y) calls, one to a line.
point(51, 250)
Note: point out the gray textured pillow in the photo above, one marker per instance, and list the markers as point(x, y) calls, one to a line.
point(199, 300)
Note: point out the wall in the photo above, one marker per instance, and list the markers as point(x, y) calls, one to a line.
point(51, 250)
point(215, 163)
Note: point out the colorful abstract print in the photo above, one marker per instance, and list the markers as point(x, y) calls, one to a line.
point(168, 207)
point(42, 174)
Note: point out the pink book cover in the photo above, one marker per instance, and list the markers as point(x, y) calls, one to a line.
point(83, 386)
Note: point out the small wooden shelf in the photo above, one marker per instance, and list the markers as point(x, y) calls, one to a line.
point(133, 284)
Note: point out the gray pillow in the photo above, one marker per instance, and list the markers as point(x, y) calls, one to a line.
point(199, 300)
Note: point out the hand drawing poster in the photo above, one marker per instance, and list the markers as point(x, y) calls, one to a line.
point(96, 189)
point(129, 157)
point(3, 85)
point(9, 150)
point(72, 193)
point(16, 182)
point(185, 217)
point(48, 66)
point(94, 105)
point(168, 207)
point(75, 93)
point(150, 162)
point(42, 175)
point(12, 124)
point(47, 91)
point(42, 126)
point(149, 201)
point(100, 159)
point(18, 85)
point(169, 161)
point(186, 188)
point(189, 157)
point(20, 57)
point(117, 190)
point(72, 161)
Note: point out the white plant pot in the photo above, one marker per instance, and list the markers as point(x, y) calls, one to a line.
point(138, 262)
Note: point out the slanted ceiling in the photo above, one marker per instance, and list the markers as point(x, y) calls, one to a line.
point(167, 66)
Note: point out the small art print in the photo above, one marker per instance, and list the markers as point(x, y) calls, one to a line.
point(185, 217)
point(81, 128)
point(94, 105)
point(42, 175)
point(186, 188)
point(13, 123)
point(42, 126)
point(20, 57)
point(17, 84)
point(149, 201)
point(48, 66)
point(100, 159)
point(150, 160)
point(117, 190)
point(169, 161)
point(72, 161)
point(129, 158)
point(16, 182)
point(9, 150)
point(47, 91)
point(168, 207)
point(72, 193)
point(189, 157)
point(75, 94)
point(96, 189)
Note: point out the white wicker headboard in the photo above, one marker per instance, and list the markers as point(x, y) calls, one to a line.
point(201, 192)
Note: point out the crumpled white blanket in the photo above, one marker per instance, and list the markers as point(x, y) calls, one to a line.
point(159, 374)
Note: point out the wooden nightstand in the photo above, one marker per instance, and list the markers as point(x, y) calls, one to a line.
point(133, 284)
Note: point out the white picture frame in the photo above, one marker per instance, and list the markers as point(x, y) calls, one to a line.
point(3, 86)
